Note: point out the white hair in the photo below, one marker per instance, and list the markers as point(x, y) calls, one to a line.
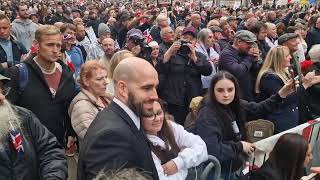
point(8, 120)
point(314, 53)
point(161, 17)
point(203, 34)
point(270, 25)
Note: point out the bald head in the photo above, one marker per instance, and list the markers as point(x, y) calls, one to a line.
point(108, 40)
point(196, 20)
point(77, 21)
point(135, 82)
point(132, 69)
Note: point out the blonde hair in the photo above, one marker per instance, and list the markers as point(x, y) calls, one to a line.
point(46, 30)
point(213, 23)
point(273, 64)
point(161, 17)
point(116, 59)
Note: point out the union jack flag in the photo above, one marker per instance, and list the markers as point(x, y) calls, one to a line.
point(16, 141)
point(147, 35)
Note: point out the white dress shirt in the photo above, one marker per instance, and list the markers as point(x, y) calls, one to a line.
point(132, 115)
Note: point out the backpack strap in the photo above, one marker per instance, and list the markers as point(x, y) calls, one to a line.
point(23, 76)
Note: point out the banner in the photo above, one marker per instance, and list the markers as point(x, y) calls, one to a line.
point(309, 130)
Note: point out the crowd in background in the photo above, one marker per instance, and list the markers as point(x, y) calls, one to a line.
point(158, 88)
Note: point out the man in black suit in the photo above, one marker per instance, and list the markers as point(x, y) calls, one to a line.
point(115, 139)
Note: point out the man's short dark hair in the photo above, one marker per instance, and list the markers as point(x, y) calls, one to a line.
point(258, 26)
point(21, 4)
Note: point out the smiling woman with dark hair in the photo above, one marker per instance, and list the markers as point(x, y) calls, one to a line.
point(174, 150)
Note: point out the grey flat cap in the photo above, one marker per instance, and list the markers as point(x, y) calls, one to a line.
point(215, 29)
point(246, 36)
point(3, 78)
point(286, 37)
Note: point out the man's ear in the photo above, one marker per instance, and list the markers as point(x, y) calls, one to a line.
point(122, 88)
point(35, 44)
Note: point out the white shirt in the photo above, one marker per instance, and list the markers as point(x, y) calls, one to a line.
point(193, 152)
point(271, 43)
point(213, 55)
point(132, 115)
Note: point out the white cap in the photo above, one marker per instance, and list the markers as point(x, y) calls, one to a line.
point(153, 44)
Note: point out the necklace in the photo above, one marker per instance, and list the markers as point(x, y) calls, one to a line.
point(44, 70)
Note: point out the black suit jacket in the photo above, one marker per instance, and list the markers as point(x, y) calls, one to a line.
point(113, 142)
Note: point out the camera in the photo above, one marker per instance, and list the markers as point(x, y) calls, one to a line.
point(145, 48)
point(184, 48)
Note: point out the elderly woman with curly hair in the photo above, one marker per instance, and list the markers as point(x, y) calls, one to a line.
point(91, 99)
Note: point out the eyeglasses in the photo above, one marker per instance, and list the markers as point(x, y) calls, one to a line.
point(154, 116)
point(5, 90)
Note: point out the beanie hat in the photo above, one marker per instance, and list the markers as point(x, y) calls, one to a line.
point(102, 29)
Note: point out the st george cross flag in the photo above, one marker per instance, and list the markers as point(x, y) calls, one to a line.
point(16, 141)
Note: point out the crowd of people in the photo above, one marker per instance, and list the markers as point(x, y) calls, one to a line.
point(148, 91)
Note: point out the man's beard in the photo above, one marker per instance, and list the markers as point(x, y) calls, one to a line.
point(137, 107)
point(79, 38)
point(109, 54)
point(8, 120)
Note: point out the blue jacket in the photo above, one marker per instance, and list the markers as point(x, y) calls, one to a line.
point(287, 116)
point(243, 67)
point(18, 50)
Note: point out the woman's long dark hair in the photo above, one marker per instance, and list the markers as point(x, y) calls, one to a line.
point(231, 112)
point(288, 155)
point(166, 134)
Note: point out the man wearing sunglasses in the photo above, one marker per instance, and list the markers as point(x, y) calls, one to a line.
point(28, 150)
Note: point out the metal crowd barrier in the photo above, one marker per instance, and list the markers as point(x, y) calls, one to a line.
point(214, 163)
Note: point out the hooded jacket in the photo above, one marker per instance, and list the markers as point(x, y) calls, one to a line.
point(24, 31)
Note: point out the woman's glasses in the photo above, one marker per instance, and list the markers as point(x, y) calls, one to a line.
point(153, 117)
